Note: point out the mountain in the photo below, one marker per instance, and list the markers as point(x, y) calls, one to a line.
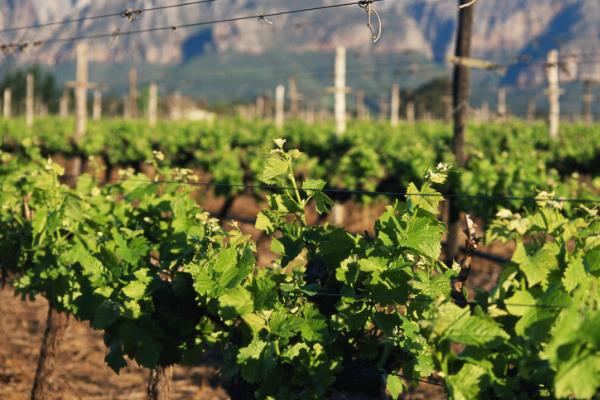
point(421, 30)
point(423, 26)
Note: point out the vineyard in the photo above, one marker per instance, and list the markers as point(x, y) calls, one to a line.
point(287, 248)
point(130, 250)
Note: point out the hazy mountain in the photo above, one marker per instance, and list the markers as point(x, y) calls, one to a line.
point(202, 57)
point(423, 26)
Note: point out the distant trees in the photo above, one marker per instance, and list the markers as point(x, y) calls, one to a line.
point(46, 87)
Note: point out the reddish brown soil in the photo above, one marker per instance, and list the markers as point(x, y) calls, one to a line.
point(82, 373)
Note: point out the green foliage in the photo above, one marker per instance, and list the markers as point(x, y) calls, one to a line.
point(139, 260)
point(536, 334)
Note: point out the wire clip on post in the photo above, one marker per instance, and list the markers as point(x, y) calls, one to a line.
point(263, 19)
point(367, 5)
point(469, 4)
point(131, 14)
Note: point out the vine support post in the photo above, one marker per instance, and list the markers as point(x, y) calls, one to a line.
point(133, 93)
point(410, 112)
point(152, 104)
point(383, 108)
point(279, 106)
point(588, 98)
point(7, 103)
point(97, 108)
point(460, 103)
point(339, 90)
point(29, 102)
point(361, 110)
point(260, 107)
point(294, 96)
point(531, 110)
point(63, 105)
point(395, 105)
point(485, 112)
point(159, 384)
point(502, 110)
point(552, 74)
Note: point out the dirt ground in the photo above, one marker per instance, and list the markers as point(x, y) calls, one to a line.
point(82, 373)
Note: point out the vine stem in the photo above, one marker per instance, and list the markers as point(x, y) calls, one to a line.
point(56, 326)
point(159, 384)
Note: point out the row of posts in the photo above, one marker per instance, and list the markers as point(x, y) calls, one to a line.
point(81, 85)
point(392, 109)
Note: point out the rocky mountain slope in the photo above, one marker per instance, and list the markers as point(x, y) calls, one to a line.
point(422, 26)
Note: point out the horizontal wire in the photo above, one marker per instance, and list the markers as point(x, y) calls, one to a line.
point(122, 13)
point(175, 27)
point(371, 193)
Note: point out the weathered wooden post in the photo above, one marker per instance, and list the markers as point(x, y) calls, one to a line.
point(133, 93)
point(531, 110)
point(502, 110)
point(340, 90)
point(552, 74)
point(460, 109)
point(29, 103)
point(383, 108)
point(361, 112)
point(294, 96)
point(7, 104)
point(260, 107)
point(588, 98)
point(279, 106)
point(395, 105)
point(97, 107)
point(153, 104)
point(485, 112)
point(63, 105)
point(126, 107)
point(81, 87)
point(410, 112)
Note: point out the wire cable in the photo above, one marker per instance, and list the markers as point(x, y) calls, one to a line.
point(127, 13)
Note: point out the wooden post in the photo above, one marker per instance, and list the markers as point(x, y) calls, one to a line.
point(460, 106)
point(588, 98)
point(360, 105)
point(294, 96)
point(81, 86)
point(29, 100)
point(395, 105)
point(63, 106)
point(410, 112)
point(340, 90)
point(97, 109)
point(153, 104)
point(310, 114)
point(6, 110)
point(531, 110)
point(279, 106)
point(260, 107)
point(383, 108)
point(133, 94)
point(126, 107)
point(502, 113)
point(485, 112)
point(552, 73)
